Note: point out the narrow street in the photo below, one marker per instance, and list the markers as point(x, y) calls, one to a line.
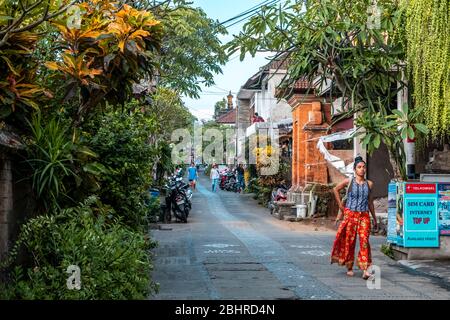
point(231, 248)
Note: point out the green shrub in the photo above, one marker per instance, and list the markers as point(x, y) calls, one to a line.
point(122, 142)
point(153, 209)
point(208, 170)
point(252, 186)
point(264, 194)
point(114, 260)
point(60, 164)
point(387, 250)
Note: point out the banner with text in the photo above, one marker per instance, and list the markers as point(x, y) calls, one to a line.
point(420, 215)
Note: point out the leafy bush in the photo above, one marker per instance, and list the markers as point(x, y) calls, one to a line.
point(121, 141)
point(264, 194)
point(208, 170)
point(60, 164)
point(153, 209)
point(114, 260)
point(387, 250)
point(252, 186)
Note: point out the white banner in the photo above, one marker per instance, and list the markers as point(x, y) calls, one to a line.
point(336, 162)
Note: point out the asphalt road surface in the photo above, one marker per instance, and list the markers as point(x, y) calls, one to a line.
point(232, 248)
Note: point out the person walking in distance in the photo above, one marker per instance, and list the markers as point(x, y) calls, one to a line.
point(214, 177)
point(240, 176)
point(192, 175)
point(355, 217)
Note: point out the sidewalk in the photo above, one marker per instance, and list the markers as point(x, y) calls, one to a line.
point(437, 269)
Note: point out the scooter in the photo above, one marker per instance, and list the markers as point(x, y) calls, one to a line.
point(184, 189)
point(176, 201)
point(223, 178)
point(230, 183)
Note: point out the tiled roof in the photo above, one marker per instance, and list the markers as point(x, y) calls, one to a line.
point(302, 84)
point(228, 118)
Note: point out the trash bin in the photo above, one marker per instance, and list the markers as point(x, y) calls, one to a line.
point(301, 211)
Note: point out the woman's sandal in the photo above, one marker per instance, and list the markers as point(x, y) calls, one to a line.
point(350, 273)
point(366, 276)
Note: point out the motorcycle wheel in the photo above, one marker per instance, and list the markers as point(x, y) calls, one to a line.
point(182, 212)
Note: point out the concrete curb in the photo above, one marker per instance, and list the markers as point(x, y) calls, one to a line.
point(438, 269)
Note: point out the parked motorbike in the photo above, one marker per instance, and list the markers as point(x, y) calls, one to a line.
point(231, 183)
point(178, 199)
point(278, 194)
point(223, 178)
point(186, 192)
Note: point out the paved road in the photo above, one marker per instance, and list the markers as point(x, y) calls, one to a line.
point(231, 248)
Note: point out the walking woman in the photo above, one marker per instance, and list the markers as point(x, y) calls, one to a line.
point(356, 221)
point(214, 175)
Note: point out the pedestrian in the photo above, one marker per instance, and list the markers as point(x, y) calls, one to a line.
point(192, 176)
point(356, 221)
point(214, 177)
point(240, 176)
point(257, 118)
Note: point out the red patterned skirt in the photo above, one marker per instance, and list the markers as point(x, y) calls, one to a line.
point(355, 223)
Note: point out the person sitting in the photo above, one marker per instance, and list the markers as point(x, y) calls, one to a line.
point(257, 118)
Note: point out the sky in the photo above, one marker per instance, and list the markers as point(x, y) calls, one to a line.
point(235, 73)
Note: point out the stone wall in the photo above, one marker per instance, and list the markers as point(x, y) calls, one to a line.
point(6, 201)
point(16, 199)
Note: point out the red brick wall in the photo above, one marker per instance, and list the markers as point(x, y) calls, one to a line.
point(308, 163)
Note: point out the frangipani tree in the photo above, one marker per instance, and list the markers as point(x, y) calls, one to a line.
point(392, 129)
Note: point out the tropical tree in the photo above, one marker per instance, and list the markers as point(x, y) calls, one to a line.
point(392, 129)
point(331, 40)
point(110, 49)
point(191, 52)
point(21, 21)
point(169, 113)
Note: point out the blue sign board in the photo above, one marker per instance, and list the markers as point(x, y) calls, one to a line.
point(420, 215)
point(444, 208)
point(392, 230)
